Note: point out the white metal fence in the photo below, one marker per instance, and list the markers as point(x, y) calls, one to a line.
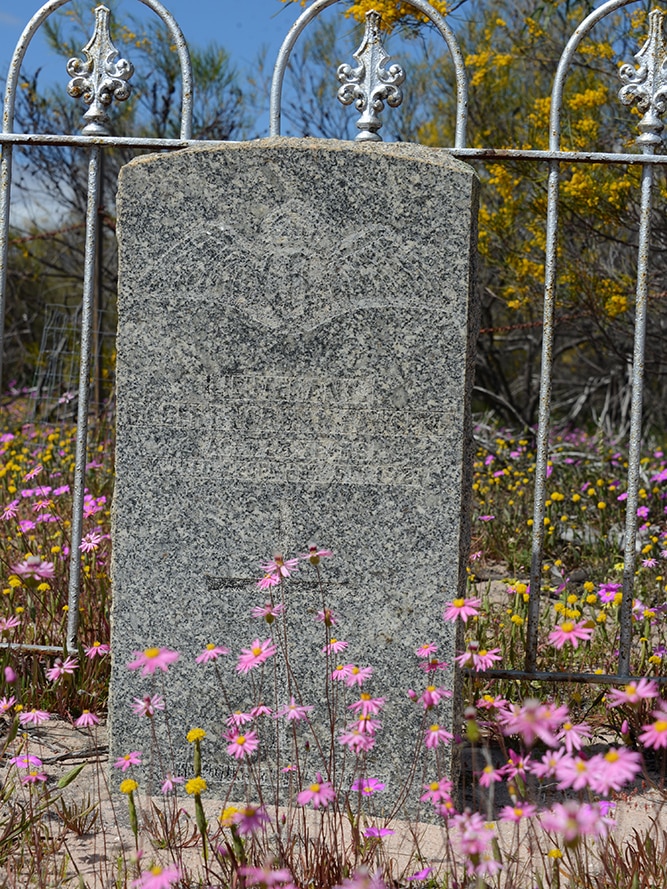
point(101, 78)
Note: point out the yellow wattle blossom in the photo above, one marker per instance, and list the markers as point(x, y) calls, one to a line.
point(392, 11)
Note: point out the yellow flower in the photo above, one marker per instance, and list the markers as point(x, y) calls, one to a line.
point(227, 816)
point(195, 786)
point(129, 785)
point(602, 504)
point(195, 734)
point(589, 586)
point(14, 581)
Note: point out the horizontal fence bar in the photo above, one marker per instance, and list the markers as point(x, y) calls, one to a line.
point(42, 649)
point(485, 154)
point(541, 676)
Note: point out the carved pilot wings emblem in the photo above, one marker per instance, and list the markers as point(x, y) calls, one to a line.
point(286, 269)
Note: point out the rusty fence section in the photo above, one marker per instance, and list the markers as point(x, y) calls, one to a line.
point(101, 78)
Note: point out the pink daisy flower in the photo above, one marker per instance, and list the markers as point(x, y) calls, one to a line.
point(517, 812)
point(265, 876)
point(148, 705)
point(314, 555)
point(378, 832)
point(607, 592)
point(10, 511)
point(171, 782)
point(633, 693)
point(368, 786)
point(463, 608)
point(574, 772)
point(60, 668)
point(211, 653)
point(613, 769)
point(490, 775)
point(294, 712)
point(240, 745)
point(436, 735)
point(250, 819)
point(92, 541)
point(34, 567)
point(97, 649)
point(570, 632)
point(87, 720)
point(257, 654)
point(320, 793)
point(130, 759)
point(238, 718)
point(432, 695)
point(366, 724)
point(281, 566)
point(334, 646)
point(547, 766)
point(437, 791)
point(6, 703)
point(341, 672)
point(478, 658)
point(358, 741)
point(34, 472)
point(260, 710)
point(574, 736)
point(153, 659)
point(268, 581)
point(33, 777)
point(517, 764)
point(533, 720)
point(655, 734)
point(432, 664)
point(326, 617)
point(157, 878)
point(421, 874)
point(488, 702)
point(25, 761)
point(268, 612)
point(574, 820)
point(426, 650)
point(357, 675)
point(34, 717)
point(8, 623)
point(366, 705)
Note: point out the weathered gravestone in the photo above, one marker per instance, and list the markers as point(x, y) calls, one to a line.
point(295, 360)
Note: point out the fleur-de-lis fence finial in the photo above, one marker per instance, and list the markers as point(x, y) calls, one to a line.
point(371, 84)
point(647, 84)
point(99, 79)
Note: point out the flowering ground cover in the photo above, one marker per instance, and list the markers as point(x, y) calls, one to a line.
point(548, 769)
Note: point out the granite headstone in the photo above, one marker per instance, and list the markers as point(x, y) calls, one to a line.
point(296, 332)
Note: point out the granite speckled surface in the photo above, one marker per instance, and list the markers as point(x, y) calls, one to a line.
point(296, 328)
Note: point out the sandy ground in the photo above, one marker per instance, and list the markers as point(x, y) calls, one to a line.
point(101, 854)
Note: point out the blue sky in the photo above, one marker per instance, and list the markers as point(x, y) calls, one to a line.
point(241, 26)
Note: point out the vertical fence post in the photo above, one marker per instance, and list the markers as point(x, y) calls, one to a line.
point(92, 235)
